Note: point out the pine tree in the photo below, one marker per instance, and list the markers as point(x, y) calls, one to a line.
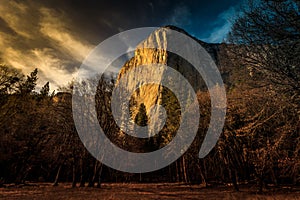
point(29, 85)
point(45, 90)
point(141, 118)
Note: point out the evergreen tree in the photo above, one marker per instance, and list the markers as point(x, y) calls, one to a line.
point(45, 90)
point(29, 85)
point(141, 118)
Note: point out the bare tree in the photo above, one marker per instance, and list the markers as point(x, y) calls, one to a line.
point(268, 34)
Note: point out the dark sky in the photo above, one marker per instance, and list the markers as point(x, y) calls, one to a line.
point(56, 35)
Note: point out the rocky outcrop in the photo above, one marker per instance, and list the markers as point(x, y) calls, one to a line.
point(152, 94)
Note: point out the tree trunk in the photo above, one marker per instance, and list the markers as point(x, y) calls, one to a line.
point(205, 173)
point(170, 174)
point(177, 172)
point(232, 174)
point(203, 178)
point(74, 176)
point(260, 183)
point(57, 176)
point(92, 179)
point(82, 181)
point(184, 171)
point(99, 176)
point(140, 177)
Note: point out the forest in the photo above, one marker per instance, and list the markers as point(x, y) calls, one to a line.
point(259, 145)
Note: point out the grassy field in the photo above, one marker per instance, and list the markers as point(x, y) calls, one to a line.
point(139, 192)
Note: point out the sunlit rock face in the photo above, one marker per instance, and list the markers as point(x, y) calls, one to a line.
point(155, 93)
point(61, 97)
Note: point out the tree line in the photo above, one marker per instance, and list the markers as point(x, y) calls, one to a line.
point(260, 143)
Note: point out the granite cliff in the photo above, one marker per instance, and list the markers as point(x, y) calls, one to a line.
point(154, 93)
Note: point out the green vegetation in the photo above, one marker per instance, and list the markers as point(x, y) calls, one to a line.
point(141, 118)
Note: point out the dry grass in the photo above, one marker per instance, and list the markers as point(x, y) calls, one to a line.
point(139, 192)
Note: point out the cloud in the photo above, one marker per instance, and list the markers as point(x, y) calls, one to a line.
point(218, 34)
point(13, 12)
point(53, 27)
point(47, 62)
point(55, 36)
point(32, 36)
point(222, 26)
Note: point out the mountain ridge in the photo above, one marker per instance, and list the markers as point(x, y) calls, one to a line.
point(153, 94)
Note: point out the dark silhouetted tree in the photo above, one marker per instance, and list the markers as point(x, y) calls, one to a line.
point(141, 118)
point(45, 90)
point(268, 33)
point(29, 85)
